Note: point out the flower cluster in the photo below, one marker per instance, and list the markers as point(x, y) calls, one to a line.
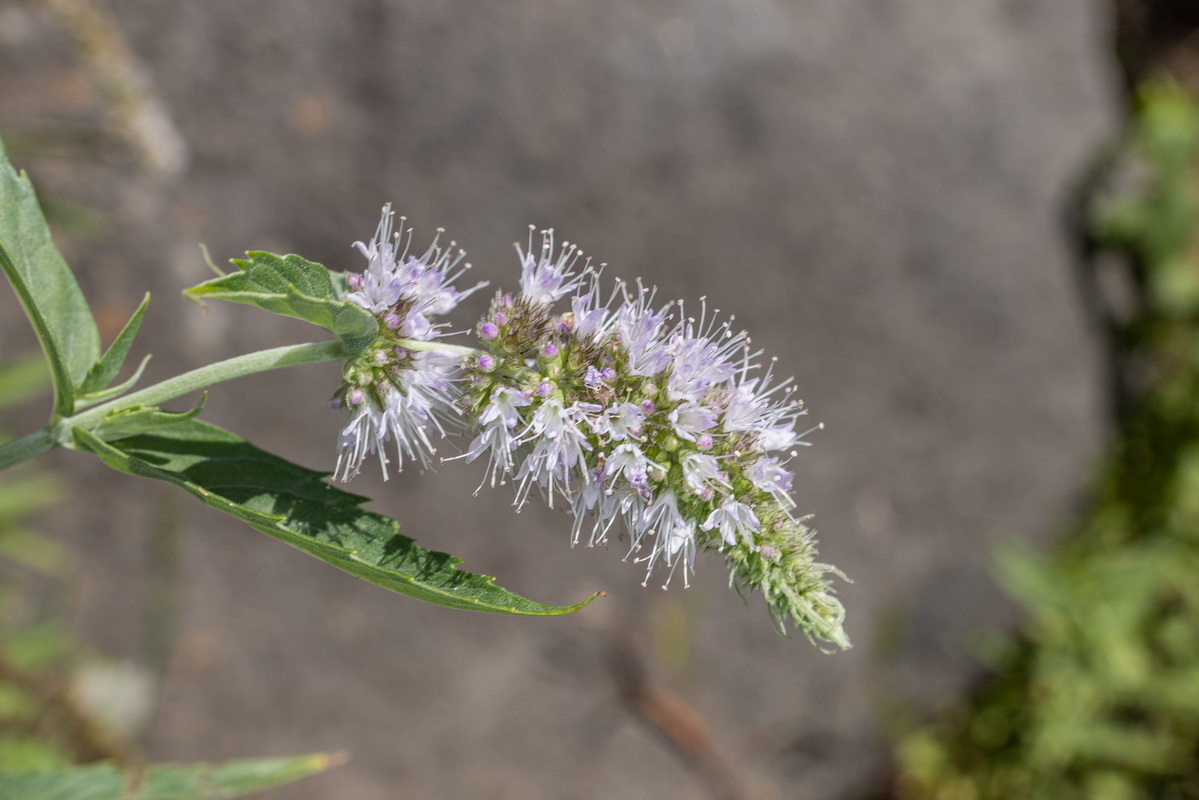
point(654, 426)
point(650, 423)
point(403, 387)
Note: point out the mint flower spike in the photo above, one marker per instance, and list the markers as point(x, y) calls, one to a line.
point(404, 388)
point(664, 431)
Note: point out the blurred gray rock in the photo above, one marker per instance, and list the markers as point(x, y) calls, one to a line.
point(875, 189)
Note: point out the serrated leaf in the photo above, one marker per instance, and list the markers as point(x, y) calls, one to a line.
point(45, 286)
point(295, 505)
point(130, 421)
point(192, 782)
point(294, 287)
point(105, 370)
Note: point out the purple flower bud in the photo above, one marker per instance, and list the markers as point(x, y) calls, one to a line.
point(504, 302)
point(550, 350)
point(647, 407)
point(544, 388)
point(501, 318)
point(608, 373)
point(488, 330)
point(355, 397)
point(354, 281)
point(391, 321)
point(704, 442)
point(380, 357)
point(486, 363)
point(562, 326)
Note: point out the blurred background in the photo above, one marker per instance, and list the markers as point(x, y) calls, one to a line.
point(968, 230)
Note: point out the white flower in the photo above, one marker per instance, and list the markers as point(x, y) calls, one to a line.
point(690, 419)
point(702, 475)
point(731, 519)
point(628, 460)
point(544, 280)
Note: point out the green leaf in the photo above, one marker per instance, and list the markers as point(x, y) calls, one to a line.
point(295, 505)
point(130, 421)
point(294, 287)
point(105, 370)
point(193, 782)
point(95, 398)
point(45, 286)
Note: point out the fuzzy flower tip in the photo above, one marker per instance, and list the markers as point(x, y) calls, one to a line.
point(649, 421)
point(402, 389)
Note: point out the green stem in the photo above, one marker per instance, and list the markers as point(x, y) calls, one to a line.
point(29, 446)
point(236, 367)
point(59, 433)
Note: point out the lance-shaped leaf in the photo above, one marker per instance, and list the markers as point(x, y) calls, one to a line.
point(294, 504)
point(132, 420)
point(191, 782)
point(294, 287)
point(45, 286)
point(105, 370)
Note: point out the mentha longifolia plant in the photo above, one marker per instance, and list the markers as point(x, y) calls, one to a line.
point(655, 424)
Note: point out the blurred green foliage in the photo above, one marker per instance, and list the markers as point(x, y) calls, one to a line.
point(40, 727)
point(1098, 697)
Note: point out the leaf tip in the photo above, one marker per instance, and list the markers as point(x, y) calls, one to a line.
point(194, 296)
point(324, 761)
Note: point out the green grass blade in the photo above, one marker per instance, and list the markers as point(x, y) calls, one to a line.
point(165, 782)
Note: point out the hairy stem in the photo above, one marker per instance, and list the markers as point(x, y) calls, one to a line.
point(236, 367)
point(59, 433)
point(29, 446)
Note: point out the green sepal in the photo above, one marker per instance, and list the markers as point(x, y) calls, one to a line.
point(45, 286)
point(105, 370)
point(295, 505)
point(162, 782)
point(294, 287)
point(125, 422)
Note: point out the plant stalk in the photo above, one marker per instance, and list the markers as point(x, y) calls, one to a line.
point(236, 367)
point(59, 432)
point(29, 446)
